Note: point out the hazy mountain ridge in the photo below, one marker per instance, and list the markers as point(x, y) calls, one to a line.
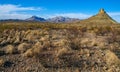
point(62, 19)
point(35, 18)
point(56, 19)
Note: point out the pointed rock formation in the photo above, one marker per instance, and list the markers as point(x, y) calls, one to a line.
point(101, 18)
point(101, 11)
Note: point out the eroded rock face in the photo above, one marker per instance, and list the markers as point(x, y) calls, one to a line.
point(57, 50)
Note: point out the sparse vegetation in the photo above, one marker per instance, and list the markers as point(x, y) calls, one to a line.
point(63, 46)
point(51, 47)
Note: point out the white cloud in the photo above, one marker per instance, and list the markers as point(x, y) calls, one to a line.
point(9, 11)
point(115, 15)
point(7, 8)
point(15, 16)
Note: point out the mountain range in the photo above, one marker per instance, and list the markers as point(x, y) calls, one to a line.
point(101, 17)
point(57, 19)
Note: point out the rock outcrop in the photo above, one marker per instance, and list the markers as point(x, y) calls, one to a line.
point(101, 18)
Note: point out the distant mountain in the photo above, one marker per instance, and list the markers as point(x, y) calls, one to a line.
point(58, 19)
point(61, 19)
point(102, 17)
point(16, 20)
point(35, 18)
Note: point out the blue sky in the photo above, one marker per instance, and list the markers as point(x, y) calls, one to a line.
point(22, 9)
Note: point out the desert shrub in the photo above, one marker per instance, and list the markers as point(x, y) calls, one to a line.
point(34, 51)
point(37, 45)
point(23, 47)
point(28, 53)
point(46, 46)
point(61, 51)
point(61, 42)
point(37, 51)
point(10, 49)
point(111, 58)
point(2, 61)
point(75, 44)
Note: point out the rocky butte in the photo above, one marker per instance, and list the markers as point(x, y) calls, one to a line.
point(101, 18)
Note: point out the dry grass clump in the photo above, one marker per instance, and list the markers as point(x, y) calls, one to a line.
point(32, 35)
point(61, 51)
point(37, 49)
point(85, 42)
point(34, 51)
point(75, 44)
point(23, 47)
point(95, 41)
point(2, 61)
point(60, 42)
point(111, 58)
point(10, 49)
point(28, 53)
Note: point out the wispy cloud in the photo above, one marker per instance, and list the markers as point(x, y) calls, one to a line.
point(115, 15)
point(7, 8)
point(10, 11)
point(14, 16)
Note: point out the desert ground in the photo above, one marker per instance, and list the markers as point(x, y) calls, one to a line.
point(44, 47)
point(91, 45)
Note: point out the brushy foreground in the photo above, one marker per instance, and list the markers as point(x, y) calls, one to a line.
point(59, 47)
